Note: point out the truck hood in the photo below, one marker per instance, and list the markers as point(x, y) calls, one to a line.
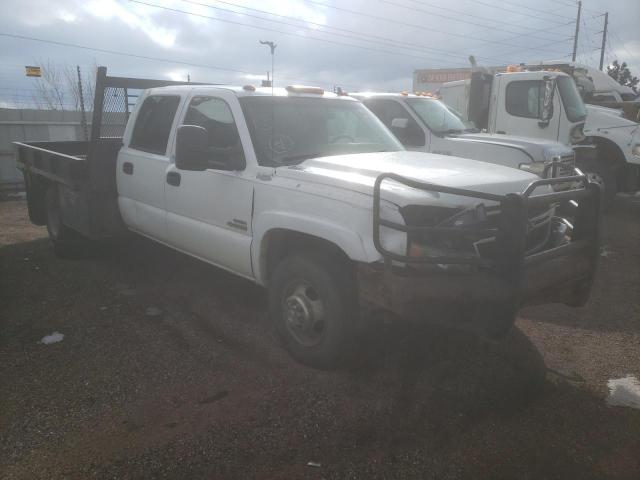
point(539, 149)
point(603, 118)
point(358, 172)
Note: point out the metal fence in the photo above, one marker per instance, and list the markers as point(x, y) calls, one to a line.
point(18, 125)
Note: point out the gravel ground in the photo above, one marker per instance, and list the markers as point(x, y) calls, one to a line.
point(169, 369)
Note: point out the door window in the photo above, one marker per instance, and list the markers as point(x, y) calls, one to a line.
point(214, 115)
point(524, 98)
point(405, 127)
point(153, 124)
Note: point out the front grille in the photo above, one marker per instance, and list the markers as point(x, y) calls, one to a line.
point(566, 165)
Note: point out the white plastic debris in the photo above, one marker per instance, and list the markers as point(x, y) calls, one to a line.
point(314, 464)
point(624, 392)
point(55, 337)
point(605, 252)
point(152, 311)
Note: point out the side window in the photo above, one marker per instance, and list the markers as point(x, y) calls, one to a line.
point(214, 115)
point(399, 121)
point(524, 98)
point(153, 124)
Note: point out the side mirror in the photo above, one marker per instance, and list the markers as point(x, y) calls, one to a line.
point(546, 113)
point(191, 148)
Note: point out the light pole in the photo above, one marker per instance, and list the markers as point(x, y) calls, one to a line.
point(272, 46)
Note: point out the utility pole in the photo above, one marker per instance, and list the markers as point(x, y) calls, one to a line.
point(575, 37)
point(604, 38)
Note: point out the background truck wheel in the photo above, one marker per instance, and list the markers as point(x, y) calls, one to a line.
point(600, 173)
point(313, 303)
point(67, 243)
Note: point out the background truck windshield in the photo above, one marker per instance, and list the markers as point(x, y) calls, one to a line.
point(436, 115)
point(289, 130)
point(571, 100)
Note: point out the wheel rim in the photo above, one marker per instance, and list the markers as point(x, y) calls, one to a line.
point(304, 313)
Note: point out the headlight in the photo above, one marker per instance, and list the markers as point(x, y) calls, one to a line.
point(636, 150)
point(392, 240)
point(537, 168)
point(577, 134)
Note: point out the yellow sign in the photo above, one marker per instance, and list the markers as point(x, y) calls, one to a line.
point(33, 71)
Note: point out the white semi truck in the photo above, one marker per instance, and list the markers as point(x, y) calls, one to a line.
point(547, 105)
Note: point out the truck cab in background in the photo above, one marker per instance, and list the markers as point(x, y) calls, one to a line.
point(547, 104)
point(423, 123)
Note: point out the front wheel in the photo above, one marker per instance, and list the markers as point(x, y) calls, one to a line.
point(312, 302)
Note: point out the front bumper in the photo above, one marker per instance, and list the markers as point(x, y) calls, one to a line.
point(485, 294)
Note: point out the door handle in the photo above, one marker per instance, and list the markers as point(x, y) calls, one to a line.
point(127, 167)
point(173, 178)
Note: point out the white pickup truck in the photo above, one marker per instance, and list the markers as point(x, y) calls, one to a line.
point(426, 124)
point(309, 195)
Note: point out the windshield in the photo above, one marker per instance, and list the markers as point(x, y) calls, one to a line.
point(436, 115)
point(289, 130)
point(573, 104)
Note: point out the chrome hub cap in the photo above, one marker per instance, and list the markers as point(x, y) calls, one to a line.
point(303, 312)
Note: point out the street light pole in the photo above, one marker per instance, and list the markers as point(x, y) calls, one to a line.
point(272, 46)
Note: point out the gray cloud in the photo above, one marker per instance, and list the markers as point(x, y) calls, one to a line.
point(230, 40)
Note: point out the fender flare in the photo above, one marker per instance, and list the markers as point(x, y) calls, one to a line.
point(347, 240)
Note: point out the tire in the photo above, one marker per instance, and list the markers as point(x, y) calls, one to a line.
point(313, 304)
point(600, 173)
point(67, 243)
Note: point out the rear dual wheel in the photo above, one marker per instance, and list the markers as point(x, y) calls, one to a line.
point(67, 243)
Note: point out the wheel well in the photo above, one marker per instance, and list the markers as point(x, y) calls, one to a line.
point(612, 154)
point(279, 243)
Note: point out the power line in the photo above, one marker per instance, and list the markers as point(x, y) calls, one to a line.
point(406, 24)
point(390, 2)
point(502, 8)
point(335, 42)
point(144, 57)
point(385, 40)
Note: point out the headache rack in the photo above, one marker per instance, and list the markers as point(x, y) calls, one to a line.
point(511, 232)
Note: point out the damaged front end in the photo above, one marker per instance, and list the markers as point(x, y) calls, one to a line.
point(475, 266)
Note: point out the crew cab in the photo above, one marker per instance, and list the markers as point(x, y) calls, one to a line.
point(309, 195)
point(423, 123)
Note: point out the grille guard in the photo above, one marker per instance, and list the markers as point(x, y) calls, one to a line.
point(512, 231)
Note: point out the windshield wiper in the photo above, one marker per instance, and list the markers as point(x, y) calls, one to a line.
point(451, 131)
point(295, 158)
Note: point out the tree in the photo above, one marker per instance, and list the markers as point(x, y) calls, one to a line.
point(621, 74)
point(58, 87)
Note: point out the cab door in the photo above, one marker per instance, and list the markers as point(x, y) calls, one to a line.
point(519, 108)
point(209, 212)
point(141, 166)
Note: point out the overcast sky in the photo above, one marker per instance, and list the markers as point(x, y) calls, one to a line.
point(357, 44)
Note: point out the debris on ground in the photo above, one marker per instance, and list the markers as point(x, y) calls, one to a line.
point(624, 392)
point(55, 337)
point(314, 464)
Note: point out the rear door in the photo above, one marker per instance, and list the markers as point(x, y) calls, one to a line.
point(209, 212)
point(142, 163)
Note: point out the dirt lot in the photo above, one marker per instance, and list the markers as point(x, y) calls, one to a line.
point(197, 386)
